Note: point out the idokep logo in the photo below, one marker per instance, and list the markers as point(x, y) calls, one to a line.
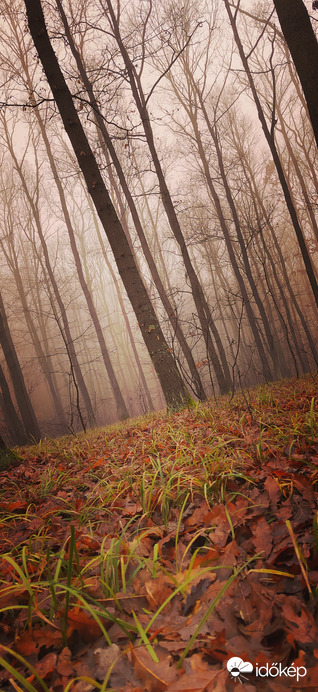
point(237, 667)
point(279, 670)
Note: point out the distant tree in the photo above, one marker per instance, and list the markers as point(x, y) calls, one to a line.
point(120, 403)
point(269, 132)
point(302, 43)
point(203, 126)
point(214, 345)
point(118, 291)
point(32, 199)
point(20, 390)
point(12, 252)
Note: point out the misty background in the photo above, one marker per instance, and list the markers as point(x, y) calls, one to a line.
point(211, 206)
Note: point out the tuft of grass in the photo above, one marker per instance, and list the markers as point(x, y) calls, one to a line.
point(98, 523)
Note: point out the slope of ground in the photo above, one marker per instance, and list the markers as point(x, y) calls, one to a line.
point(144, 556)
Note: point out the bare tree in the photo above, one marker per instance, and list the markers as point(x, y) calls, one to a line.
point(10, 251)
point(210, 333)
point(110, 154)
point(191, 97)
point(269, 135)
point(20, 390)
point(302, 43)
point(33, 202)
point(165, 366)
point(123, 310)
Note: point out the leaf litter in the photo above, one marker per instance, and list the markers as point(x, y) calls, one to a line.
point(144, 555)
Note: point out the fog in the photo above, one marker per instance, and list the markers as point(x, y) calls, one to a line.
point(187, 269)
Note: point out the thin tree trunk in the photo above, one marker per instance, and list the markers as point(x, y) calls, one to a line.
point(259, 210)
point(229, 245)
point(44, 359)
point(124, 313)
point(67, 337)
point(256, 196)
point(205, 317)
point(107, 146)
point(20, 390)
point(293, 157)
point(120, 404)
point(269, 135)
point(241, 241)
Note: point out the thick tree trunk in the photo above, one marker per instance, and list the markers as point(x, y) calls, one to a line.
point(302, 43)
point(163, 361)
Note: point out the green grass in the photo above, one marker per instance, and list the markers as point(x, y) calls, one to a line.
point(107, 533)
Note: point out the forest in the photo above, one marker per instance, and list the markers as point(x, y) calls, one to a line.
point(158, 345)
point(158, 209)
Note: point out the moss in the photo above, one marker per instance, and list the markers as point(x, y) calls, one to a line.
point(8, 458)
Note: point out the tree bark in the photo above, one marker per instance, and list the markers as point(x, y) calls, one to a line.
point(125, 316)
point(302, 43)
point(163, 361)
point(20, 390)
point(15, 427)
point(7, 457)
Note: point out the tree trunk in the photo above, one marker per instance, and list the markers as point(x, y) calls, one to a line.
point(66, 332)
point(7, 457)
point(269, 135)
point(109, 150)
point(15, 427)
point(125, 316)
point(122, 411)
point(302, 43)
point(230, 249)
point(220, 365)
point(44, 359)
point(20, 390)
point(163, 361)
point(258, 203)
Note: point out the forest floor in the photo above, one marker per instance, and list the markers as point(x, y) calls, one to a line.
point(145, 555)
